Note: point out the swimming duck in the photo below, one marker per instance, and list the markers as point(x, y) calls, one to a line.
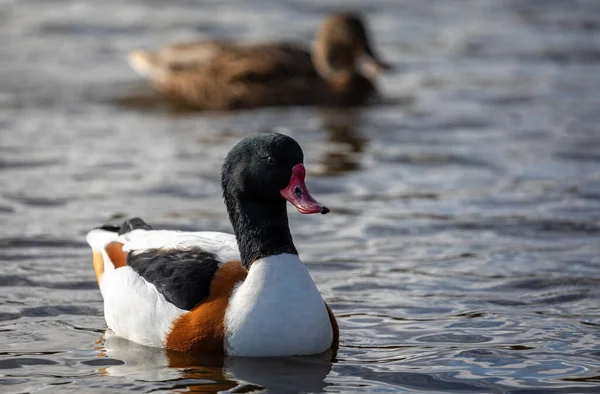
point(222, 75)
point(247, 294)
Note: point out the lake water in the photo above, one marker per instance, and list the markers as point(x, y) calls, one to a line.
point(462, 253)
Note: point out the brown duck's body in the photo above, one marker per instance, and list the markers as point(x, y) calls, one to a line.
point(221, 75)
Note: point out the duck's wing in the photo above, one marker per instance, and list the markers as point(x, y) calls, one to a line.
point(149, 278)
point(179, 264)
point(264, 63)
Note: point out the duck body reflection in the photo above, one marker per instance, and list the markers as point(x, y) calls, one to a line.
point(211, 373)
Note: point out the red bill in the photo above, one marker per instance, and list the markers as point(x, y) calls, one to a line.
point(297, 193)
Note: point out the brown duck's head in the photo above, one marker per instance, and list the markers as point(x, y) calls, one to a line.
point(341, 43)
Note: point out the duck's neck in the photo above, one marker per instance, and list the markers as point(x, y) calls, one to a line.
point(337, 78)
point(261, 229)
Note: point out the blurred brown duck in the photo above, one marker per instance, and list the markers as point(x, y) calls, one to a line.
point(222, 75)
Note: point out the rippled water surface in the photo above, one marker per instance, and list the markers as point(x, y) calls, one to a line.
point(463, 250)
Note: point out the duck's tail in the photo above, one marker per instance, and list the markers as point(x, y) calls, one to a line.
point(107, 249)
point(145, 63)
point(102, 240)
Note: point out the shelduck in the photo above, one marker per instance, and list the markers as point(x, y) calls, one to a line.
point(224, 75)
point(247, 294)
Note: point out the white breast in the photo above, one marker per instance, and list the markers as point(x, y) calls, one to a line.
point(277, 311)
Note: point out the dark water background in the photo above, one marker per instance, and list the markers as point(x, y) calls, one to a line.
point(463, 250)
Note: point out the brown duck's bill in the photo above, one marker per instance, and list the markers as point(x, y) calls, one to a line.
point(297, 193)
point(373, 65)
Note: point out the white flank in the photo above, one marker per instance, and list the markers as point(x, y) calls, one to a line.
point(277, 311)
point(135, 310)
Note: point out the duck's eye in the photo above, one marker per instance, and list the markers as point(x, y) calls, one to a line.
point(271, 160)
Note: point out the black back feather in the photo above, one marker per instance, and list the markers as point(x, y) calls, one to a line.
point(183, 277)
